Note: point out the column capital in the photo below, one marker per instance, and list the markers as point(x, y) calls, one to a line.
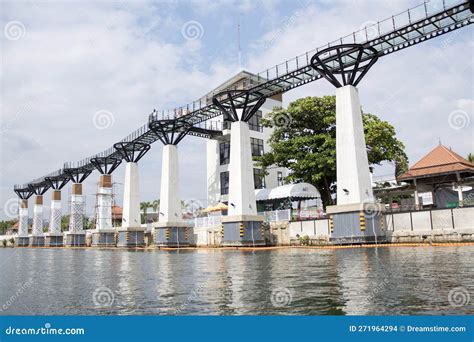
point(344, 64)
point(235, 102)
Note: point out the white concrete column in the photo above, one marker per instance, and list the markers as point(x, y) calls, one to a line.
point(23, 218)
point(131, 197)
point(353, 173)
point(170, 201)
point(38, 216)
point(55, 215)
point(76, 220)
point(417, 198)
point(241, 185)
point(104, 203)
point(460, 194)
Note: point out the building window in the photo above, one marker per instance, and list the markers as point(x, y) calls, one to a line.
point(258, 179)
point(254, 122)
point(224, 183)
point(224, 152)
point(257, 147)
point(280, 178)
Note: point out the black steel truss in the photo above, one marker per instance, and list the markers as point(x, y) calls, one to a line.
point(77, 174)
point(23, 191)
point(39, 188)
point(57, 182)
point(132, 151)
point(170, 132)
point(349, 61)
point(414, 29)
point(227, 102)
point(106, 165)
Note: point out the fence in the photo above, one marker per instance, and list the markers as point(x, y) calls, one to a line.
point(431, 219)
point(210, 221)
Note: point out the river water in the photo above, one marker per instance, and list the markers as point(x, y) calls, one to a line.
point(375, 281)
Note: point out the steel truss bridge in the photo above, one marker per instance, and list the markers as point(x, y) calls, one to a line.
point(411, 27)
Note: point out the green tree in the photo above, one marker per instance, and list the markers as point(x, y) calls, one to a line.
point(470, 157)
point(304, 141)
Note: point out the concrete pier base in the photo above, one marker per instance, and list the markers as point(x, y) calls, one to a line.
point(77, 239)
point(104, 238)
point(131, 237)
point(37, 241)
point(22, 241)
point(54, 240)
point(243, 230)
point(356, 223)
point(173, 234)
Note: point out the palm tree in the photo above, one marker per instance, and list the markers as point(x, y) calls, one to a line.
point(144, 208)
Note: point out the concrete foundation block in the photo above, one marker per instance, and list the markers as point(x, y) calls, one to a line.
point(243, 233)
point(37, 241)
point(22, 241)
point(75, 240)
point(174, 237)
point(54, 240)
point(104, 239)
point(131, 238)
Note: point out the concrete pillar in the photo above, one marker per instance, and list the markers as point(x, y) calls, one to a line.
point(131, 197)
point(104, 203)
point(37, 236)
point(131, 234)
point(76, 235)
point(54, 238)
point(353, 175)
point(55, 215)
point(241, 184)
point(171, 230)
point(23, 218)
point(417, 198)
point(104, 234)
point(170, 201)
point(76, 220)
point(242, 227)
point(23, 240)
point(460, 194)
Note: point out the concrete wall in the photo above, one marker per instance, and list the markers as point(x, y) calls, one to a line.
point(443, 225)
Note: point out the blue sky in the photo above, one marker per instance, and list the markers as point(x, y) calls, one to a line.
point(64, 64)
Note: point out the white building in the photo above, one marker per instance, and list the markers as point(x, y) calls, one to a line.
point(218, 150)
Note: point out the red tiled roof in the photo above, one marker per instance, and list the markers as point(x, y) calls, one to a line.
point(440, 160)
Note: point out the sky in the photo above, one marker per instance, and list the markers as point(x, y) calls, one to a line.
point(78, 76)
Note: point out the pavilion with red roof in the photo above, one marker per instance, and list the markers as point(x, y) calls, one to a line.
point(440, 167)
